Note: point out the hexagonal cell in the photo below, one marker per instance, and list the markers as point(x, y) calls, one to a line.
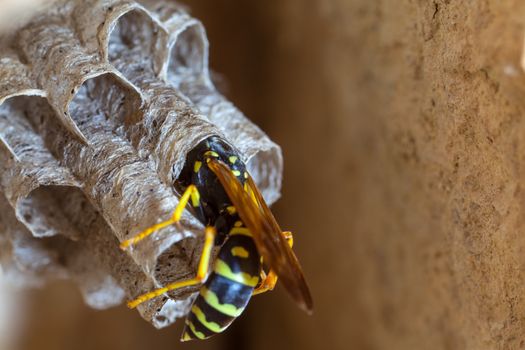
point(188, 56)
point(136, 42)
point(33, 172)
point(46, 210)
point(16, 130)
point(36, 257)
point(105, 102)
point(266, 167)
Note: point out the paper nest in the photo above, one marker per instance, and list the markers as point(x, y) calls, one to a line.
point(100, 101)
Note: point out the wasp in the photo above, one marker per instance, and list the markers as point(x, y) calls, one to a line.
point(224, 197)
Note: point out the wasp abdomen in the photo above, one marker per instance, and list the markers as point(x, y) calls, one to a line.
point(227, 290)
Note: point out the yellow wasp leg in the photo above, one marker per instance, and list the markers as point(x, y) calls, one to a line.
point(191, 192)
point(202, 271)
point(269, 280)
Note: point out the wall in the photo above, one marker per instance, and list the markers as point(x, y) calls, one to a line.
point(402, 129)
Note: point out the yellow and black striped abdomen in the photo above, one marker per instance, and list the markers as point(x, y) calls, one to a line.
point(228, 289)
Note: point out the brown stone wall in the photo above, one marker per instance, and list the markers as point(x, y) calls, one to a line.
point(404, 141)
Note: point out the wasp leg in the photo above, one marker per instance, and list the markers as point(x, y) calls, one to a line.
point(191, 192)
point(289, 238)
point(202, 272)
point(269, 280)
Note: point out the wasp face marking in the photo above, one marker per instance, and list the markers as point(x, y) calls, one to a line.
point(215, 207)
point(211, 154)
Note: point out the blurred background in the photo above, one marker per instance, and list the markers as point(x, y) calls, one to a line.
point(400, 124)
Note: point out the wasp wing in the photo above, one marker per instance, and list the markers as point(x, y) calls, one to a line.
point(266, 233)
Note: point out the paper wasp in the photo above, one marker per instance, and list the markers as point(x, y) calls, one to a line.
point(226, 200)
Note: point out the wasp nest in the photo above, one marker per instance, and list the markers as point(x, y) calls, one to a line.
point(100, 101)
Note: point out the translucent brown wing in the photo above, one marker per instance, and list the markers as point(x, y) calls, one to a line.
point(266, 233)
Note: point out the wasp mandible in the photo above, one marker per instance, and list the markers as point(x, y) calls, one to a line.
point(226, 200)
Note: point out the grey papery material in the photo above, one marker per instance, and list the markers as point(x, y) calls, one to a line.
point(100, 101)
